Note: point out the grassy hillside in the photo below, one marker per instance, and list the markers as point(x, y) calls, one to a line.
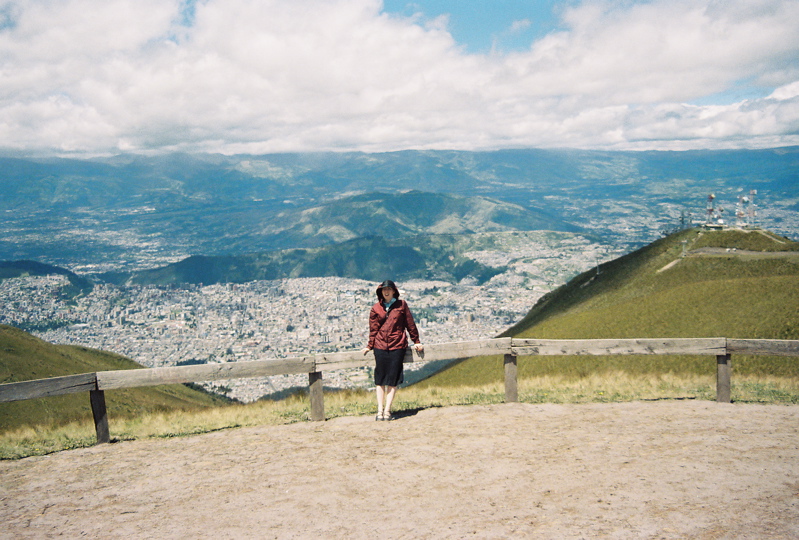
point(695, 283)
point(24, 357)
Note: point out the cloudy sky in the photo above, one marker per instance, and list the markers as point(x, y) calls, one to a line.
point(89, 77)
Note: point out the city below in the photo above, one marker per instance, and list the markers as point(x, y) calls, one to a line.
point(168, 326)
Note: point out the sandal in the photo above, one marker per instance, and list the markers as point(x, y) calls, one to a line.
point(389, 417)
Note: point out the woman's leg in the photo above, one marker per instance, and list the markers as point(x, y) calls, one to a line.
point(389, 394)
point(380, 392)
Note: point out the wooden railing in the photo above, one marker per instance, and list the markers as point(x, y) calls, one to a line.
point(511, 348)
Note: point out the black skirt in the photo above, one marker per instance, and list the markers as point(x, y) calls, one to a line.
point(388, 367)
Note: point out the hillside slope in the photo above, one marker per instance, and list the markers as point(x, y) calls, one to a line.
point(695, 283)
point(24, 357)
point(408, 213)
point(371, 258)
point(725, 285)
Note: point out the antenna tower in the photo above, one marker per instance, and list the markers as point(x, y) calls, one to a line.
point(740, 211)
point(710, 208)
point(714, 213)
point(752, 209)
point(745, 210)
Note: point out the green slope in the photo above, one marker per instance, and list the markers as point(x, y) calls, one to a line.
point(695, 283)
point(25, 357)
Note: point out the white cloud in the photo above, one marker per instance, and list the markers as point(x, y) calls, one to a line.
point(520, 26)
point(788, 91)
point(294, 75)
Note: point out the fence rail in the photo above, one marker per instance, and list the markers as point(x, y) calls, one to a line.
point(511, 348)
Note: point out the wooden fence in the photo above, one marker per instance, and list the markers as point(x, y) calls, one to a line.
point(511, 348)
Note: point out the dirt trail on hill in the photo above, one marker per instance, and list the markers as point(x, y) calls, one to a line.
point(663, 469)
point(743, 254)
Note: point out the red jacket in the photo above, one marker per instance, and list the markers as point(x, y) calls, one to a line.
point(387, 330)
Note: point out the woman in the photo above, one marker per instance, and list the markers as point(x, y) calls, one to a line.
point(389, 320)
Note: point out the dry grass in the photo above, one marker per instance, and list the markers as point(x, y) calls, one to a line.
point(594, 388)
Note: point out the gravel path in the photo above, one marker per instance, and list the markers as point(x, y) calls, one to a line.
point(660, 469)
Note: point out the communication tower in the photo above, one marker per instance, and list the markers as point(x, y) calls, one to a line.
point(745, 210)
point(714, 213)
point(751, 209)
point(740, 212)
point(710, 208)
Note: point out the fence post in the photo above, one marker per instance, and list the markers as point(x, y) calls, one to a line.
point(723, 378)
point(316, 395)
point(100, 414)
point(511, 387)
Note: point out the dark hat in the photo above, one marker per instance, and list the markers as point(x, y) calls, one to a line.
point(387, 283)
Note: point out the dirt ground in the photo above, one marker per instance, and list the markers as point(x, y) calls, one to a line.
point(661, 469)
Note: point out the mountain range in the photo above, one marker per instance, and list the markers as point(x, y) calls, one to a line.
point(369, 258)
point(135, 212)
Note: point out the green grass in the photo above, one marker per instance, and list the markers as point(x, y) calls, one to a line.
point(654, 292)
point(755, 240)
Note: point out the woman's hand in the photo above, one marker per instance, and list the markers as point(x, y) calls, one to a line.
point(366, 350)
point(419, 347)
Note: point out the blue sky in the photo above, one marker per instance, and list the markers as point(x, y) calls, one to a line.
point(260, 76)
point(482, 26)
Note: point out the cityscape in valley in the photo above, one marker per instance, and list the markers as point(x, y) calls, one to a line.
point(167, 326)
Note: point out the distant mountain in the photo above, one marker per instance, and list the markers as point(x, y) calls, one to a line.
point(194, 180)
point(24, 357)
point(139, 211)
point(408, 213)
point(371, 258)
point(696, 283)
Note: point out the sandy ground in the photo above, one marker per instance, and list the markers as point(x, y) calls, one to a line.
point(663, 469)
